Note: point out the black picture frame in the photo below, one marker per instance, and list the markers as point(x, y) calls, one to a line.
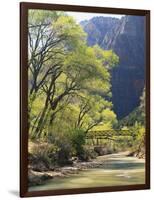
point(24, 97)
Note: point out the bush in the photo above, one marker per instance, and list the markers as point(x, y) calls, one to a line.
point(43, 156)
point(63, 142)
point(104, 150)
point(78, 139)
point(65, 151)
point(88, 154)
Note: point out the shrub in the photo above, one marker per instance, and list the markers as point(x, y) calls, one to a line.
point(65, 151)
point(43, 156)
point(78, 139)
point(104, 149)
point(63, 142)
point(88, 154)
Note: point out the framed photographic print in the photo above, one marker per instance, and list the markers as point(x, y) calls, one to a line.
point(85, 99)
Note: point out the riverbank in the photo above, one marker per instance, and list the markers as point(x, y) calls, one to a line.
point(38, 178)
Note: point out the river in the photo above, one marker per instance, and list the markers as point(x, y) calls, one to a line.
point(118, 169)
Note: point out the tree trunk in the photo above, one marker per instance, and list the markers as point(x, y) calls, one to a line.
point(37, 132)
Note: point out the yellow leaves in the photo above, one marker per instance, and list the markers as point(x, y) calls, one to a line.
point(125, 128)
point(66, 25)
point(37, 106)
point(102, 127)
point(109, 116)
point(98, 51)
point(63, 23)
point(110, 59)
point(90, 52)
point(140, 131)
point(61, 80)
point(99, 86)
point(39, 16)
point(88, 68)
point(82, 70)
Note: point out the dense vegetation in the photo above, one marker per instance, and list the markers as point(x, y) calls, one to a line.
point(69, 91)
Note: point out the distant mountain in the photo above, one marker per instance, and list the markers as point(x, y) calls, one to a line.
point(97, 28)
point(126, 37)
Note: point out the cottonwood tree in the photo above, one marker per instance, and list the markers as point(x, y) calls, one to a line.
point(52, 36)
point(61, 67)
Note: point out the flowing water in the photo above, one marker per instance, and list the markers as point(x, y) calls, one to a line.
point(118, 169)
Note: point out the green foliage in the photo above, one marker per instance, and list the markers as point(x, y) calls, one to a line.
point(88, 154)
point(108, 57)
point(45, 155)
point(62, 140)
point(37, 17)
point(66, 25)
point(78, 138)
point(62, 68)
point(69, 86)
point(139, 139)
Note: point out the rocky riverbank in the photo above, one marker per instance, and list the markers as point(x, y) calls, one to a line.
point(37, 178)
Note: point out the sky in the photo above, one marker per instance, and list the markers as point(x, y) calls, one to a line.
point(80, 16)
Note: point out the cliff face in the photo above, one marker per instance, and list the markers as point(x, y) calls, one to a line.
point(126, 37)
point(97, 28)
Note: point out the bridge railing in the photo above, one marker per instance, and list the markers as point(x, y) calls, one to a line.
point(109, 133)
point(111, 136)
